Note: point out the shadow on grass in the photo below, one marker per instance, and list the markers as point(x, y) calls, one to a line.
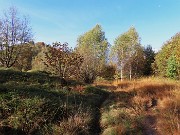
point(149, 125)
point(5, 130)
point(56, 105)
point(108, 87)
point(122, 98)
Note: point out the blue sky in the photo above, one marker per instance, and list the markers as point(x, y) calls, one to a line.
point(65, 20)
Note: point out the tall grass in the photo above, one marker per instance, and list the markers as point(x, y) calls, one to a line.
point(139, 102)
point(29, 105)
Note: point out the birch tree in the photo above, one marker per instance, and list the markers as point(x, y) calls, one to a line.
point(126, 47)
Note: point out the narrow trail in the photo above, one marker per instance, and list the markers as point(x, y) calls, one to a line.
point(96, 126)
point(150, 121)
point(149, 124)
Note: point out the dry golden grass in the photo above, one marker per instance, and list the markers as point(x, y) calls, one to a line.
point(105, 84)
point(79, 88)
point(77, 123)
point(169, 116)
point(116, 130)
point(143, 98)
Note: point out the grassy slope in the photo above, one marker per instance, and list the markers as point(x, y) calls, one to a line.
point(35, 103)
point(145, 106)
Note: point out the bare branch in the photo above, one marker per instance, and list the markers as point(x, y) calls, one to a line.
point(14, 30)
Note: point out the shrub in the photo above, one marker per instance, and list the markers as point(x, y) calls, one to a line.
point(95, 90)
point(77, 123)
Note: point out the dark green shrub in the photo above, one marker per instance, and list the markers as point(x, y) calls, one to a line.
point(95, 90)
point(3, 88)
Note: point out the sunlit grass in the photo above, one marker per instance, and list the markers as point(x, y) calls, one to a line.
point(143, 98)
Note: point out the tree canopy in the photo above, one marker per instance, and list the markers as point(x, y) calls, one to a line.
point(129, 53)
point(149, 59)
point(90, 58)
point(170, 49)
point(14, 30)
point(93, 46)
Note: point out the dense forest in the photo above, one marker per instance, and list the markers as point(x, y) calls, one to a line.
point(56, 89)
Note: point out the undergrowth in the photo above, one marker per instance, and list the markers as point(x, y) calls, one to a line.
point(37, 103)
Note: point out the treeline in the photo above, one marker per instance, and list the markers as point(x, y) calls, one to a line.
point(92, 57)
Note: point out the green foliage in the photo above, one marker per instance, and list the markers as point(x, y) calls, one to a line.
point(94, 90)
point(117, 120)
point(129, 53)
point(108, 72)
point(172, 68)
point(137, 63)
point(30, 107)
point(62, 61)
point(27, 114)
point(77, 123)
point(38, 59)
point(11, 75)
point(169, 49)
point(149, 59)
point(24, 61)
point(93, 46)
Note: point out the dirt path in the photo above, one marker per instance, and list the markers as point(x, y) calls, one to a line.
point(150, 125)
point(150, 120)
point(96, 127)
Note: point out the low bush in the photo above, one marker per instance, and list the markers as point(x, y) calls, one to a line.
point(35, 103)
point(95, 90)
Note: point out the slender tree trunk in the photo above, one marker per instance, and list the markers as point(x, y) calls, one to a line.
point(130, 72)
point(121, 72)
point(122, 66)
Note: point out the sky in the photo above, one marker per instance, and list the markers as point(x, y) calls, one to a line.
point(156, 21)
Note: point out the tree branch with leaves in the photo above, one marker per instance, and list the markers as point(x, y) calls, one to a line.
point(63, 61)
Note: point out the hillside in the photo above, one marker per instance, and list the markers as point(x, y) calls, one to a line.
point(95, 71)
point(39, 103)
